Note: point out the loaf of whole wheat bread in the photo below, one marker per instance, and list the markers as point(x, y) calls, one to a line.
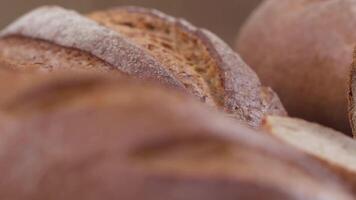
point(71, 137)
point(144, 43)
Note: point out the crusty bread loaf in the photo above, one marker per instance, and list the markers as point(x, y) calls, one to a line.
point(71, 137)
point(144, 43)
point(303, 49)
point(333, 148)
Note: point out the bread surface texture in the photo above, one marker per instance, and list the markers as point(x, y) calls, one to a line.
point(331, 147)
point(303, 50)
point(70, 137)
point(144, 43)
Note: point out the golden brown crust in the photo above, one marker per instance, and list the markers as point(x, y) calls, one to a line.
point(240, 91)
point(309, 46)
point(23, 52)
point(144, 142)
point(183, 54)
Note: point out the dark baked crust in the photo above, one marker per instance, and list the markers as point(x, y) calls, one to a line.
point(144, 142)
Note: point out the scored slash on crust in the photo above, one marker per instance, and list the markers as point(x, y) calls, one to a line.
point(243, 95)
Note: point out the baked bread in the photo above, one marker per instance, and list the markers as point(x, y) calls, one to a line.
point(144, 43)
point(71, 137)
point(303, 50)
point(333, 148)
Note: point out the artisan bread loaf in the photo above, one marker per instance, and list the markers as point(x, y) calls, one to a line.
point(71, 137)
point(303, 49)
point(143, 43)
point(333, 148)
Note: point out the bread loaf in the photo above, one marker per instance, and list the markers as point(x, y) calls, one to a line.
point(143, 43)
point(71, 137)
point(333, 148)
point(303, 50)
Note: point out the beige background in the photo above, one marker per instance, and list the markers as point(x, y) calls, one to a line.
point(223, 17)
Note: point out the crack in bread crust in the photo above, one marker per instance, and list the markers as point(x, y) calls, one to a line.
point(232, 84)
point(182, 53)
point(179, 55)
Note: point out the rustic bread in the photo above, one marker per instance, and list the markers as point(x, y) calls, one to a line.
point(331, 147)
point(72, 137)
point(143, 43)
point(303, 49)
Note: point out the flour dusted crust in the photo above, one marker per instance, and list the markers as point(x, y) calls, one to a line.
point(70, 29)
point(243, 90)
point(145, 142)
point(242, 94)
